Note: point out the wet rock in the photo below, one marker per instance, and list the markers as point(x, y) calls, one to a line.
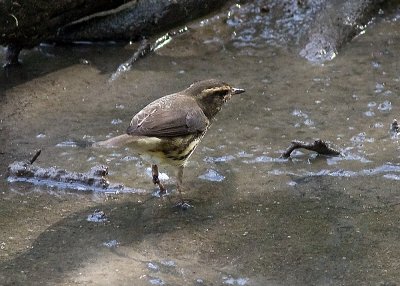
point(25, 24)
point(99, 216)
point(319, 27)
point(94, 178)
point(315, 29)
point(337, 23)
point(12, 54)
point(136, 19)
point(281, 24)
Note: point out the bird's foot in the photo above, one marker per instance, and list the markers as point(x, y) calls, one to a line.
point(156, 180)
point(183, 205)
point(163, 190)
point(160, 193)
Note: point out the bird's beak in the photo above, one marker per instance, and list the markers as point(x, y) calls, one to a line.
point(237, 90)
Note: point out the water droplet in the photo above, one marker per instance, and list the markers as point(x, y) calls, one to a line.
point(232, 281)
point(309, 122)
point(129, 158)
point(219, 159)
point(387, 93)
point(161, 176)
point(116, 121)
point(369, 113)
point(361, 137)
point(169, 263)
point(212, 175)
point(199, 281)
point(156, 281)
point(152, 266)
point(385, 106)
point(244, 154)
point(97, 216)
point(264, 159)
point(379, 87)
point(376, 65)
point(378, 125)
point(67, 144)
point(299, 113)
point(111, 244)
point(392, 177)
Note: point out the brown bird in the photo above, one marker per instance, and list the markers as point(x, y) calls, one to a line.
point(168, 130)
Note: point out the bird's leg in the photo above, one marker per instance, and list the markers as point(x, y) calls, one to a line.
point(179, 178)
point(156, 180)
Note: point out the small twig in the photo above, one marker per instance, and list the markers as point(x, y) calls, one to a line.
point(165, 39)
point(143, 50)
point(35, 156)
point(319, 146)
point(394, 129)
point(146, 48)
point(15, 18)
point(395, 126)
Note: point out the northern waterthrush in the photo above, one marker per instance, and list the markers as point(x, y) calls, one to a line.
point(168, 130)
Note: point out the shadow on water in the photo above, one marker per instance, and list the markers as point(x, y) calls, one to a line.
point(47, 59)
point(138, 231)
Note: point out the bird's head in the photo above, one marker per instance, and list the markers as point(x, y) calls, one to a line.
point(211, 94)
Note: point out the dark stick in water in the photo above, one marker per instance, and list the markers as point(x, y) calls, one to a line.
point(35, 156)
point(146, 48)
point(319, 146)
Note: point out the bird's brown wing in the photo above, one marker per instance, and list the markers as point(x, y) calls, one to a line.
point(167, 117)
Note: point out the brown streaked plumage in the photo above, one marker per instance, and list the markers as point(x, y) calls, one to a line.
point(168, 130)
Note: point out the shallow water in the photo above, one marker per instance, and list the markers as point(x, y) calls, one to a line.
point(257, 219)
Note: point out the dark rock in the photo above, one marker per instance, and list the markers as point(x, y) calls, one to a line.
point(25, 23)
point(337, 23)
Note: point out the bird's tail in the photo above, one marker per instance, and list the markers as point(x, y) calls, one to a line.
point(115, 142)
